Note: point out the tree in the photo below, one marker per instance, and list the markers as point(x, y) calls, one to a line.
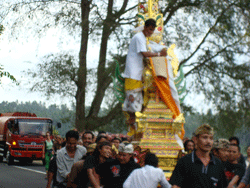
point(213, 37)
point(2, 72)
point(100, 18)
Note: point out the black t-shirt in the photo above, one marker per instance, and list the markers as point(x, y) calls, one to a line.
point(91, 162)
point(82, 179)
point(190, 172)
point(113, 174)
point(232, 170)
point(242, 161)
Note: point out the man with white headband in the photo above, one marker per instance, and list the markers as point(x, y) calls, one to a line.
point(114, 173)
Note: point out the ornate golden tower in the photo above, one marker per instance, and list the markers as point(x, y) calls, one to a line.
point(158, 128)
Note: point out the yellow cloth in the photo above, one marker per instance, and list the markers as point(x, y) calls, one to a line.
point(131, 84)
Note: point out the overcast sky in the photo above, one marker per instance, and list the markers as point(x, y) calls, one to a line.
point(19, 56)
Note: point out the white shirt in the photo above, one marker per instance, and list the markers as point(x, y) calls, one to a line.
point(146, 177)
point(134, 62)
point(64, 162)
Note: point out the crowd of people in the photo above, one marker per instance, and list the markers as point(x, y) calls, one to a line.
point(85, 160)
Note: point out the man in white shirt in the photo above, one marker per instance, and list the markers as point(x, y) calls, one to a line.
point(134, 69)
point(67, 156)
point(148, 176)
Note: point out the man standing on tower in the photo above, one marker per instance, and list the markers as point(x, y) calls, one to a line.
point(134, 69)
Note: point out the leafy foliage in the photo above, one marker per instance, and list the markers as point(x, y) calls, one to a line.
point(8, 75)
point(1, 29)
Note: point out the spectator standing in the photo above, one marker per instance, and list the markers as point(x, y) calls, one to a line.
point(52, 164)
point(221, 149)
point(235, 141)
point(102, 133)
point(116, 141)
point(115, 145)
point(233, 169)
point(78, 176)
point(67, 156)
point(52, 173)
point(200, 168)
point(48, 152)
point(113, 173)
point(189, 146)
point(87, 138)
point(100, 139)
point(100, 155)
point(148, 176)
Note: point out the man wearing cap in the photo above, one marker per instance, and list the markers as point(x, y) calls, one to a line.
point(200, 168)
point(221, 149)
point(114, 173)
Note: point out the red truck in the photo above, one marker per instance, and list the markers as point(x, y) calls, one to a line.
point(22, 136)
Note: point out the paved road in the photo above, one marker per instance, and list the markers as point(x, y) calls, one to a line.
point(22, 176)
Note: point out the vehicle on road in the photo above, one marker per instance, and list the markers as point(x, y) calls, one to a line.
point(22, 136)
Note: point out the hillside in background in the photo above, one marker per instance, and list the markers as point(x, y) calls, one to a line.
point(225, 124)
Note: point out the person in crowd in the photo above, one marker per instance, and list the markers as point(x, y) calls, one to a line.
point(101, 154)
point(80, 139)
point(134, 69)
point(185, 139)
point(221, 149)
point(113, 173)
point(57, 145)
point(52, 173)
point(148, 176)
point(125, 140)
point(67, 156)
point(47, 152)
point(102, 133)
point(248, 156)
point(100, 139)
point(116, 141)
point(115, 145)
point(245, 181)
point(189, 146)
point(234, 171)
point(77, 177)
point(200, 168)
point(235, 141)
point(87, 138)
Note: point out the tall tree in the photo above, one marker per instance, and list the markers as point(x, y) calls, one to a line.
point(102, 19)
point(212, 36)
